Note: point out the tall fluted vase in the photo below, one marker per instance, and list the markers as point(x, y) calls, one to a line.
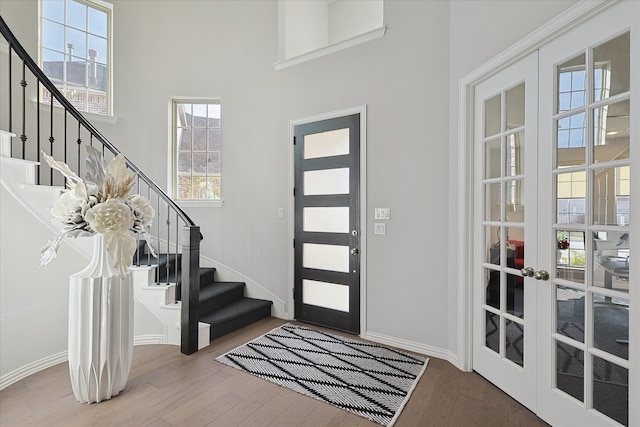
point(100, 328)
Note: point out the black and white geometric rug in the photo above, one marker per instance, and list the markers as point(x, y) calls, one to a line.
point(366, 379)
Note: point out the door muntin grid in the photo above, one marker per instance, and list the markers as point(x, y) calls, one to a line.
point(591, 178)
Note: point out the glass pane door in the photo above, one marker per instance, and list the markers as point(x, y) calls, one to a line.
point(504, 312)
point(592, 225)
point(587, 123)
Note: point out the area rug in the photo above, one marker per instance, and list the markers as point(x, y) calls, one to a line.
point(366, 379)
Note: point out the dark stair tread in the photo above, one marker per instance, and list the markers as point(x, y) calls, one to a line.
point(236, 315)
point(207, 275)
point(216, 295)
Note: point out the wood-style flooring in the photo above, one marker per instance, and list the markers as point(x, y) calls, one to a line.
point(167, 388)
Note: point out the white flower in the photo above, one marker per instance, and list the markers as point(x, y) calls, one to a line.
point(142, 211)
point(69, 211)
point(112, 216)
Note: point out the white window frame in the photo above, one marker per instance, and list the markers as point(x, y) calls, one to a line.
point(108, 9)
point(173, 159)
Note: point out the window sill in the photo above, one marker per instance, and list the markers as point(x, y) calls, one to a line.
point(371, 35)
point(89, 116)
point(200, 203)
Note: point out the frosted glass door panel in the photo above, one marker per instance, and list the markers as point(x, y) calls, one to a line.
point(325, 257)
point(326, 144)
point(327, 295)
point(326, 219)
point(326, 181)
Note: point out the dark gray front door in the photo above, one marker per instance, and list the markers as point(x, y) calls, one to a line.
point(327, 223)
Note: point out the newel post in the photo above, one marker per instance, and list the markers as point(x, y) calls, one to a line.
point(190, 289)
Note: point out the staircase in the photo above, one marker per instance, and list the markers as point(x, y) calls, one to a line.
point(222, 306)
point(193, 306)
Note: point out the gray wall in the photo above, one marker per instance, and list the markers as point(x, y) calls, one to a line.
point(409, 81)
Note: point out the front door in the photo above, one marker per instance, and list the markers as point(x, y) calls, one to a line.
point(555, 293)
point(327, 223)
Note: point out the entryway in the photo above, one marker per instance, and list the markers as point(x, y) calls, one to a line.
point(555, 158)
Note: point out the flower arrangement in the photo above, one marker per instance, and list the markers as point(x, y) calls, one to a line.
point(102, 204)
point(563, 243)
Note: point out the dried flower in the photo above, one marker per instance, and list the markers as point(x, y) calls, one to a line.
point(103, 204)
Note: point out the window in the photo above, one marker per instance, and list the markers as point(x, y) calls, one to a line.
point(75, 52)
point(196, 150)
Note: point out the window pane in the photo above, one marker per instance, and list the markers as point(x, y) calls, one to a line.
point(571, 139)
point(53, 35)
point(611, 132)
point(515, 342)
point(76, 15)
point(571, 84)
point(611, 325)
point(54, 10)
point(184, 187)
point(611, 390)
point(611, 67)
point(97, 22)
point(609, 185)
point(213, 163)
point(492, 110)
point(611, 257)
point(570, 313)
point(514, 154)
point(99, 46)
point(492, 200)
point(492, 159)
point(515, 107)
point(492, 331)
point(570, 370)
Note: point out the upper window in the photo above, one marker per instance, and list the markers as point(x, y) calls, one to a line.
point(196, 150)
point(75, 52)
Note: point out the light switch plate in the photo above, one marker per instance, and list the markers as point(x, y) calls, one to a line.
point(380, 228)
point(382, 213)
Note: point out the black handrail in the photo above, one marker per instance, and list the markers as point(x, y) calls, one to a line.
point(190, 279)
point(48, 84)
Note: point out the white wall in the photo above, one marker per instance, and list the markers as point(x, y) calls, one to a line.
point(408, 80)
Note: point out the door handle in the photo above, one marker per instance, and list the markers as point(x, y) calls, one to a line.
point(355, 251)
point(542, 275)
point(527, 272)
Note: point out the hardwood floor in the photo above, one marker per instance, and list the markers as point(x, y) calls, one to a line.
point(167, 388)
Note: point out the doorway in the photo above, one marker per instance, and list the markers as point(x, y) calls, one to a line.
point(553, 281)
point(327, 232)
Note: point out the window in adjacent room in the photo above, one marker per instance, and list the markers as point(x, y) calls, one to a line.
point(75, 52)
point(196, 150)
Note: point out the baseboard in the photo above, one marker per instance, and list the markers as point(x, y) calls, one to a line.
point(32, 368)
point(55, 359)
point(441, 353)
point(148, 339)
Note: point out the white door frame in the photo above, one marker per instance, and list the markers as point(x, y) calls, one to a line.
point(362, 110)
point(571, 18)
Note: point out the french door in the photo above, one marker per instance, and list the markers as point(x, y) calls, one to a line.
point(556, 291)
point(327, 223)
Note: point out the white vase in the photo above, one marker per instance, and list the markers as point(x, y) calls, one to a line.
point(100, 328)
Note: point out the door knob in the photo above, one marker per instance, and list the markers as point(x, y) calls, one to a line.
point(527, 272)
point(355, 251)
point(542, 275)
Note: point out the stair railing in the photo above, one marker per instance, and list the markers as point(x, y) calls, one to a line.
point(170, 218)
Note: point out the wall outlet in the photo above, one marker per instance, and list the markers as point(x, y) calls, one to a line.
point(380, 228)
